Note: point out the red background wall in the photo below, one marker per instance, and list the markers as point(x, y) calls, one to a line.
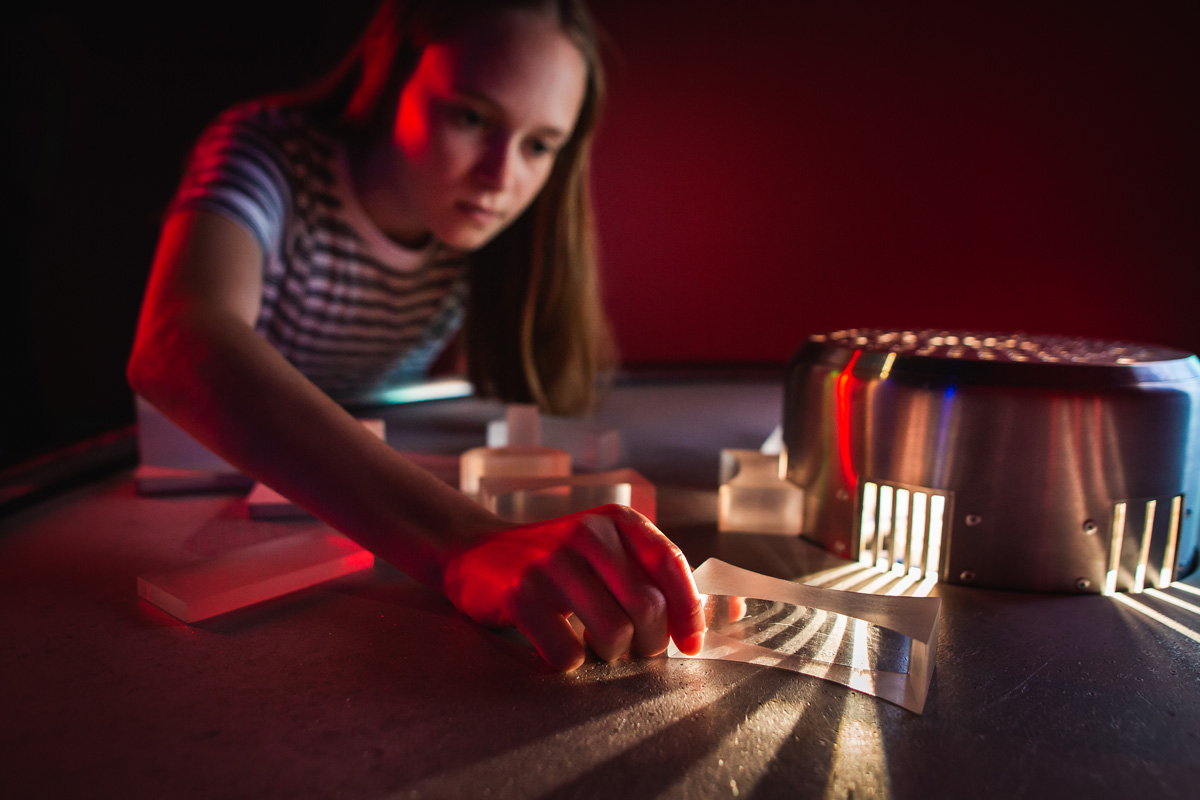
point(766, 170)
point(769, 170)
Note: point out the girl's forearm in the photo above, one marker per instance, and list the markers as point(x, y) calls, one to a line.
point(222, 383)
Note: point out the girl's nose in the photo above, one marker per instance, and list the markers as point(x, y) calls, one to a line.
point(494, 164)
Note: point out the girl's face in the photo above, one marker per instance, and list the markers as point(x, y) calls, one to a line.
point(477, 129)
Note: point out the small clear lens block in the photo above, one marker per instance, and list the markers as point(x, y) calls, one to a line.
point(752, 498)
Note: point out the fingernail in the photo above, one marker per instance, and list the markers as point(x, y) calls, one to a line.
point(692, 644)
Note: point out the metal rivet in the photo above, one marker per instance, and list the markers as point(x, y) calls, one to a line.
point(1090, 526)
point(973, 519)
point(843, 495)
point(1083, 584)
point(966, 576)
point(839, 547)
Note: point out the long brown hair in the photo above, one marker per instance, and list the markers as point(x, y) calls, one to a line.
point(535, 328)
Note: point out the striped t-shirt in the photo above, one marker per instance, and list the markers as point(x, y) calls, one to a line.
point(350, 308)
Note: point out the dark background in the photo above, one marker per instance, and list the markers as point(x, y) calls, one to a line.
point(766, 170)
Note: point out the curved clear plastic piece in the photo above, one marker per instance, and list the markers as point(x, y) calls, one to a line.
point(883, 646)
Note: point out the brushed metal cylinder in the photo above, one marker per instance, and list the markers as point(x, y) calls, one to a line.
point(1054, 464)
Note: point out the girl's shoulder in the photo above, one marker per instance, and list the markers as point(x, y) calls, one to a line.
point(285, 127)
point(258, 163)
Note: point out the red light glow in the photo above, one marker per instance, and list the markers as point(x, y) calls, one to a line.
point(842, 393)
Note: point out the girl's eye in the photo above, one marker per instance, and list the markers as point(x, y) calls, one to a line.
point(539, 147)
point(465, 116)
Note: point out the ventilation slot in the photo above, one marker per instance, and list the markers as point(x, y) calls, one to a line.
point(901, 528)
point(1137, 526)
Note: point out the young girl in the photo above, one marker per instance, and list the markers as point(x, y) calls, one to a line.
point(335, 239)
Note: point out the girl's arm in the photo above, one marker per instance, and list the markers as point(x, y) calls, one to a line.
point(198, 359)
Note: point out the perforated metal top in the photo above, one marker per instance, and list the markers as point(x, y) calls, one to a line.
point(1004, 347)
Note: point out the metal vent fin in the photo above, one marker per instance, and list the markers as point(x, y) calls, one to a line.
point(1144, 519)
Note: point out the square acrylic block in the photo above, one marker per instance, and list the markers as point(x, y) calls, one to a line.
point(879, 645)
point(753, 498)
point(523, 500)
point(522, 427)
point(253, 574)
point(510, 462)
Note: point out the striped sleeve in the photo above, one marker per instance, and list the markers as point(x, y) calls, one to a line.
point(238, 170)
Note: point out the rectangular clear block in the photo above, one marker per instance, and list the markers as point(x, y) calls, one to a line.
point(523, 500)
point(753, 498)
point(253, 574)
point(510, 462)
point(760, 509)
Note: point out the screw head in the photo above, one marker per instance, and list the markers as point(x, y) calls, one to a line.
point(1090, 526)
point(966, 576)
point(973, 519)
point(1083, 584)
point(839, 547)
point(843, 495)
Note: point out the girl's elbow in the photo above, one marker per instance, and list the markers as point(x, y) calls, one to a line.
point(146, 371)
point(138, 373)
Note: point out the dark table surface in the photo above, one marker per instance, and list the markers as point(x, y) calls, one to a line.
point(373, 687)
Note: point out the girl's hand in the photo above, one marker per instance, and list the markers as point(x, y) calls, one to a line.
point(626, 582)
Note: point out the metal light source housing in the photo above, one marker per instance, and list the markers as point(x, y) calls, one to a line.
point(1038, 463)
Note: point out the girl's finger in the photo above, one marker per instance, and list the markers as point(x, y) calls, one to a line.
point(640, 599)
point(668, 569)
point(570, 579)
point(549, 631)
